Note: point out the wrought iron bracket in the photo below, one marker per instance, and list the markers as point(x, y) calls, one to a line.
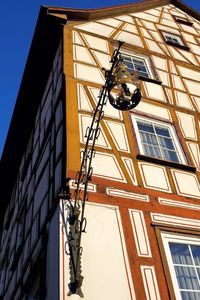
point(73, 205)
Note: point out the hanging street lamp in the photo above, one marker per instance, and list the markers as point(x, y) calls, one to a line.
point(122, 89)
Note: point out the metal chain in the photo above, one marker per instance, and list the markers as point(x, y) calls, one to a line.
point(75, 223)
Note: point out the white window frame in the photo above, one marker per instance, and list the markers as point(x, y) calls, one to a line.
point(172, 35)
point(170, 127)
point(141, 57)
point(180, 239)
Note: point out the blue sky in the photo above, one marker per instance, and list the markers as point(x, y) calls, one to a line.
point(17, 23)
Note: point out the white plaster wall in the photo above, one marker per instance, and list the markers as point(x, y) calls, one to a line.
point(188, 73)
point(150, 283)
point(153, 46)
point(91, 74)
point(125, 18)
point(82, 54)
point(118, 134)
point(195, 48)
point(154, 91)
point(189, 38)
point(197, 102)
point(186, 183)
point(105, 264)
point(96, 43)
point(83, 101)
point(195, 153)
point(187, 125)
point(111, 22)
point(176, 54)
point(102, 58)
point(183, 100)
point(145, 33)
point(164, 77)
point(84, 123)
point(129, 38)
point(100, 29)
point(109, 111)
point(130, 28)
point(177, 82)
point(106, 166)
point(140, 233)
point(155, 110)
point(107, 274)
point(154, 177)
point(76, 39)
point(160, 63)
point(193, 87)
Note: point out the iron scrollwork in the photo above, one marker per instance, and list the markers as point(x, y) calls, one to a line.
point(75, 222)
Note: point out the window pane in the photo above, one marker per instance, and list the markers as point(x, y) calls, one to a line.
point(134, 63)
point(147, 138)
point(196, 254)
point(187, 278)
point(126, 58)
point(140, 68)
point(198, 271)
point(170, 155)
point(180, 254)
point(166, 143)
point(144, 74)
point(137, 61)
point(145, 127)
point(129, 66)
point(168, 38)
point(152, 151)
point(190, 295)
point(162, 131)
point(176, 39)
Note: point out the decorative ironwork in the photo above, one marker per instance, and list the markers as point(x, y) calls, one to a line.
point(127, 95)
point(74, 205)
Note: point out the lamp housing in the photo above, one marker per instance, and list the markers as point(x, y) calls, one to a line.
point(123, 88)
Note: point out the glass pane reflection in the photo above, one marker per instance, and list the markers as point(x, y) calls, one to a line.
point(187, 278)
point(196, 254)
point(190, 295)
point(180, 254)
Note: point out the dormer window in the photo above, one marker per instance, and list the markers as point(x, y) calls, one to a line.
point(174, 40)
point(183, 20)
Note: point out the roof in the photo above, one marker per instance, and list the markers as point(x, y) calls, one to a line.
point(140, 5)
point(45, 41)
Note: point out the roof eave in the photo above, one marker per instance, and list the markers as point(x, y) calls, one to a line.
point(105, 12)
point(89, 14)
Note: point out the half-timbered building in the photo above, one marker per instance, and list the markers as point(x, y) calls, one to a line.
point(142, 238)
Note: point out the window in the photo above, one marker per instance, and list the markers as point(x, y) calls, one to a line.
point(183, 20)
point(135, 63)
point(174, 40)
point(157, 139)
point(142, 64)
point(183, 259)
